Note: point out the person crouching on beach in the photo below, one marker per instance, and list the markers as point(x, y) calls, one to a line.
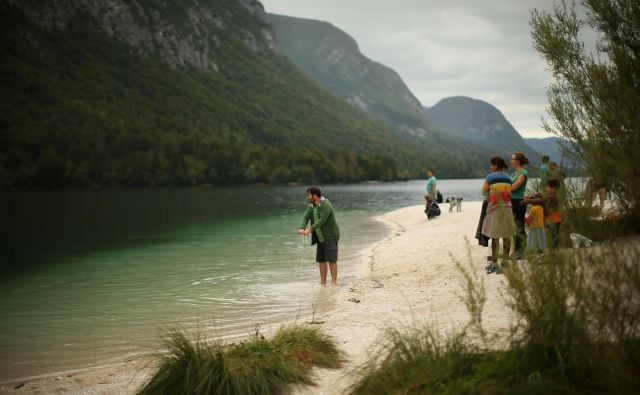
point(324, 231)
point(431, 207)
point(536, 238)
point(552, 205)
point(498, 222)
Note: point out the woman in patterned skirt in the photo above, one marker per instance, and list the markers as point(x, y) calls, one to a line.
point(498, 222)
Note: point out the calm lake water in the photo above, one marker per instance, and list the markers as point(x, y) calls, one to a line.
point(91, 277)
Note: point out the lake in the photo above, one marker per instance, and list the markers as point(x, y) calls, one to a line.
point(95, 276)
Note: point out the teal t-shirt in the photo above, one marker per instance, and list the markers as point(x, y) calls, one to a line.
point(544, 169)
point(430, 183)
point(519, 193)
point(544, 173)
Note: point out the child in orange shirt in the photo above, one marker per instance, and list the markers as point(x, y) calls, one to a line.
point(551, 208)
point(536, 238)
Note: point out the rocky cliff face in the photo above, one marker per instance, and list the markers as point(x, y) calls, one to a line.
point(332, 58)
point(182, 35)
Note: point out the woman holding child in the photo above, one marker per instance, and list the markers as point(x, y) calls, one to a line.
point(498, 222)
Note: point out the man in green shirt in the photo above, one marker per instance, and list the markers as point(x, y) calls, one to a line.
point(324, 231)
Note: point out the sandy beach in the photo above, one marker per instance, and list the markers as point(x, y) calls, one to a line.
point(410, 279)
point(407, 280)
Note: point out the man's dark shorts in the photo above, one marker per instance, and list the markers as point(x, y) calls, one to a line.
point(327, 251)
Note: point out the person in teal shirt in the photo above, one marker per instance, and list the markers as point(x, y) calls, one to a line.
point(519, 180)
point(431, 185)
point(324, 231)
point(544, 170)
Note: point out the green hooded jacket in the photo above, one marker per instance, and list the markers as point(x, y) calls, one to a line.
point(323, 222)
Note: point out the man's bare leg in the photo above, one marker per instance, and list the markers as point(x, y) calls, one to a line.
point(323, 273)
point(333, 267)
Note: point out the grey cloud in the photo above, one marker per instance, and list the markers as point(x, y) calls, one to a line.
point(481, 49)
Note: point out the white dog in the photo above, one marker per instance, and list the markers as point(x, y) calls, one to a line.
point(455, 202)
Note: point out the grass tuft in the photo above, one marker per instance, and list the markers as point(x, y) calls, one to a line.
point(420, 362)
point(254, 366)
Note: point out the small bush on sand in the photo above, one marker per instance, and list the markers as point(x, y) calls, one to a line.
point(419, 362)
point(576, 329)
point(254, 366)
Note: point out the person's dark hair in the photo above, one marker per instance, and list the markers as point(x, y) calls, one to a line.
point(314, 191)
point(432, 172)
point(498, 162)
point(553, 183)
point(545, 159)
point(521, 158)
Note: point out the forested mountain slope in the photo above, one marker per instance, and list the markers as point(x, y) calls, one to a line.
point(142, 92)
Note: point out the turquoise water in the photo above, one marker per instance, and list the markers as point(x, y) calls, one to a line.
point(91, 277)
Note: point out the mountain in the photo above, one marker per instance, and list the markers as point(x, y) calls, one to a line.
point(130, 92)
point(556, 149)
point(547, 146)
point(479, 122)
point(332, 58)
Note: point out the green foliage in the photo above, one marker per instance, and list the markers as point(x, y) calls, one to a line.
point(254, 366)
point(97, 111)
point(595, 97)
point(420, 362)
point(582, 215)
point(575, 329)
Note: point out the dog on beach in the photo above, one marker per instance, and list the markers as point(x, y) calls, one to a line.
point(455, 203)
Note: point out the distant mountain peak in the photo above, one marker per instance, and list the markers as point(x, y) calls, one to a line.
point(477, 121)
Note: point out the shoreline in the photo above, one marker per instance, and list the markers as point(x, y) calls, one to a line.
point(410, 280)
point(405, 280)
point(135, 364)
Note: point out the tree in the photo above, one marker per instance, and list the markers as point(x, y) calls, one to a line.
point(594, 100)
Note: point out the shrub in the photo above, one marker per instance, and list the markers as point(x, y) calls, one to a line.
point(576, 329)
point(254, 366)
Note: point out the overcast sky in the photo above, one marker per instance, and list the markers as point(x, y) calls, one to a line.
point(477, 48)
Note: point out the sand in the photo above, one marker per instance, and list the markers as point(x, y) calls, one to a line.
point(407, 280)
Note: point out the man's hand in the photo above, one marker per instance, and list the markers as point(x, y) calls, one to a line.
point(307, 232)
point(301, 232)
